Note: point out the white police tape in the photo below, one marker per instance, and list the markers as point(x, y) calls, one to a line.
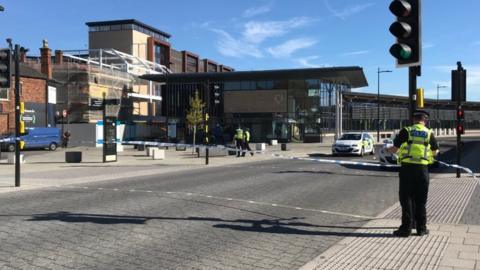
point(182, 145)
point(368, 164)
point(341, 162)
point(465, 169)
point(330, 161)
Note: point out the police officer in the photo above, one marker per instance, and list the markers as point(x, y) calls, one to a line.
point(239, 137)
point(247, 142)
point(416, 146)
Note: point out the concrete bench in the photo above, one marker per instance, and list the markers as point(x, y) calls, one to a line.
point(73, 157)
point(260, 147)
point(157, 154)
point(11, 158)
point(214, 152)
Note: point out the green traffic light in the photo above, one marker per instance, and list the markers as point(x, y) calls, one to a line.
point(401, 51)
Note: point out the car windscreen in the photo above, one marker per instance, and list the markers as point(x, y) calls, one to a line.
point(351, 137)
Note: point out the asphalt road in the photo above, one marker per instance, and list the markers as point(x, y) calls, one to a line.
point(276, 214)
point(268, 215)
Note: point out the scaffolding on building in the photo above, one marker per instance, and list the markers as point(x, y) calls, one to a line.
point(85, 75)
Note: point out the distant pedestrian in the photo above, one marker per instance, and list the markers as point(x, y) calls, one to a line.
point(417, 146)
point(239, 140)
point(65, 139)
point(247, 143)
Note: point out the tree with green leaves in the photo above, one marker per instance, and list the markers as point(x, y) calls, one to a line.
point(195, 115)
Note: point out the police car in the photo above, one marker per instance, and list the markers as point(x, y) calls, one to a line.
point(384, 156)
point(358, 143)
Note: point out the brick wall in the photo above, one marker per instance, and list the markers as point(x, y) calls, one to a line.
point(33, 90)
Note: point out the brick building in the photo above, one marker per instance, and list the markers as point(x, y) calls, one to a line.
point(35, 88)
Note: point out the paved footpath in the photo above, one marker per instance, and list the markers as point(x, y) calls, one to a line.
point(43, 169)
point(449, 246)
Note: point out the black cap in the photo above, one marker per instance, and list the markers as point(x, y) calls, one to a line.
point(422, 113)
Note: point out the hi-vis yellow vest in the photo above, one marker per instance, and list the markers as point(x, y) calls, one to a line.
point(239, 134)
point(417, 149)
point(247, 136)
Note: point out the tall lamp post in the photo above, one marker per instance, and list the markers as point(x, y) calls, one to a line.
point(378, 101)
point(438, 115)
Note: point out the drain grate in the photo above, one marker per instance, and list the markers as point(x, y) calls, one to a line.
point(447, 200)
point(388, 253)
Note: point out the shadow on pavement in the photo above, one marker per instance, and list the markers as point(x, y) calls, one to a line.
point(276, 225)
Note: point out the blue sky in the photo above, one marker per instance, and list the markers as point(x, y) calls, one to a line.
point(273, 34)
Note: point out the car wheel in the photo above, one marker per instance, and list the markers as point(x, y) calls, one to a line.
point(373, 151)
point(52, 147)
point(11, 148)
point(362, 151)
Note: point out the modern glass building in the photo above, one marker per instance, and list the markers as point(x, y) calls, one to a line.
point(290, 105)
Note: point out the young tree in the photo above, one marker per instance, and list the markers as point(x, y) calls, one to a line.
point(195, 115)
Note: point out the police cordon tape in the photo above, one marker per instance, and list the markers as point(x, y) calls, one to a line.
point(368, 164)
point(329, 161)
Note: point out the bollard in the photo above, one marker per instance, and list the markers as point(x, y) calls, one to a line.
point(206, 156)
point(284, 147)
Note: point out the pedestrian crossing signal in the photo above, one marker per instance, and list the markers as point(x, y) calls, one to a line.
point(460, 129)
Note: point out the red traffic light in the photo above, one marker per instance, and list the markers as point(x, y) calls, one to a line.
point(401, 8)
point(460, 114)
point(460, 129)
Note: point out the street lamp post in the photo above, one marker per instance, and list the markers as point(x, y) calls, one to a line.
point(378, 101)
point(438, 115)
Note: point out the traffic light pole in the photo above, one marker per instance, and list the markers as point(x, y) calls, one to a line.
point(459, 104)
point(17, 115)
point(413, 72)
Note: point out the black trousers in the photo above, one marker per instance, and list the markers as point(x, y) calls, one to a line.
point(413, 192)
point(246, 147)
point(239, 145)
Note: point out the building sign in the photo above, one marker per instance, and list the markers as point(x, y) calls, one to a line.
point(96, 104)
point(109, 139)
point(35, 115)
point(259, 101)
point(52, 95)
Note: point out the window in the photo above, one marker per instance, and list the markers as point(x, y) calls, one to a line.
point(115, 27)
point(4, 93)
point(192, 64)
point(351, 137)
point(229, 86)
point(247, 85)
point(211, 67)
point(127, 27)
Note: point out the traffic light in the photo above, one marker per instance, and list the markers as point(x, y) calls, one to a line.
point(407, 29)
point(216, 94)
point(21, 124)
point(459, 85)
point(420, 98)
point(460, 120)
point(5, 68)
